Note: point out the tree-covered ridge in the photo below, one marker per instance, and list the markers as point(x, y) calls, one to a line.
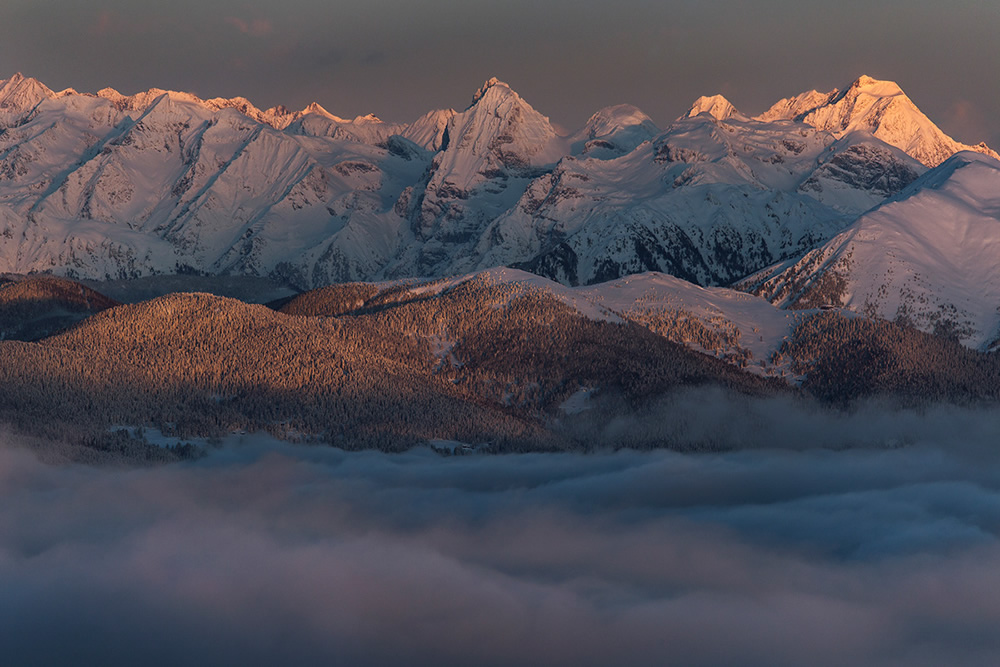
point(848, 358)
point(480, 360)
point(479, 363)
point(32, 307)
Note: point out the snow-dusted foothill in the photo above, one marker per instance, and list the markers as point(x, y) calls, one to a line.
point(726, 323)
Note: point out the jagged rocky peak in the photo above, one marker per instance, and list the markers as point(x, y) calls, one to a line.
point(20, 93)
point(716, 105)
point(501, 124)
point(492, 82)
point(876, 106)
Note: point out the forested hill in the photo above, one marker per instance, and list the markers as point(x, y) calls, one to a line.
point(494, 361)
point(40, 306)
point(481, 363)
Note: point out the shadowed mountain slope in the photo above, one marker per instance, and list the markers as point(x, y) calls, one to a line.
point(33, 307)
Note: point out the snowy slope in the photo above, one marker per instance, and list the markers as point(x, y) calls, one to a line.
point(709, 201)
point(118, 186)
point(878, 107)
point(613, 131)
point(428, 131)
point(754, 328)
point(927, 257)
point(761, 327)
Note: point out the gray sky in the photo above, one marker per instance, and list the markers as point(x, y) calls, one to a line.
point(568, 58)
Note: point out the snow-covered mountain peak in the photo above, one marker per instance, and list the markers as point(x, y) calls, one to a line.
point(20, 93)
point(319, 110)
point(238, 103)
point(613, 131)
point(113, 96)
point(175, 106)
point(875, 106)
point(715, 105)
point(276, 117)
point(157, 95)
point(7, 85)
point(966, 187)
point(864, 93)
point(502, 125)
point(492, 82)
point(497, 98)
point(247, 108)
point(490, 153)
point(877, 87)
point(141, 102)
point(613, 119)
point(794, 108)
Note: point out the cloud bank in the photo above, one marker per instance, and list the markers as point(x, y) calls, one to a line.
point(271, 553)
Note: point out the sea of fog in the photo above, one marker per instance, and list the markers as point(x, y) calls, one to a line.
point(791, 551)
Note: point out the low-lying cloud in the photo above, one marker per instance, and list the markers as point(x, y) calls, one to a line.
point(271, 553)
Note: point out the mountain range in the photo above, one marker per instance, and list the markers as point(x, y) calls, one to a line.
point(108, 185)
point(850, 198)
